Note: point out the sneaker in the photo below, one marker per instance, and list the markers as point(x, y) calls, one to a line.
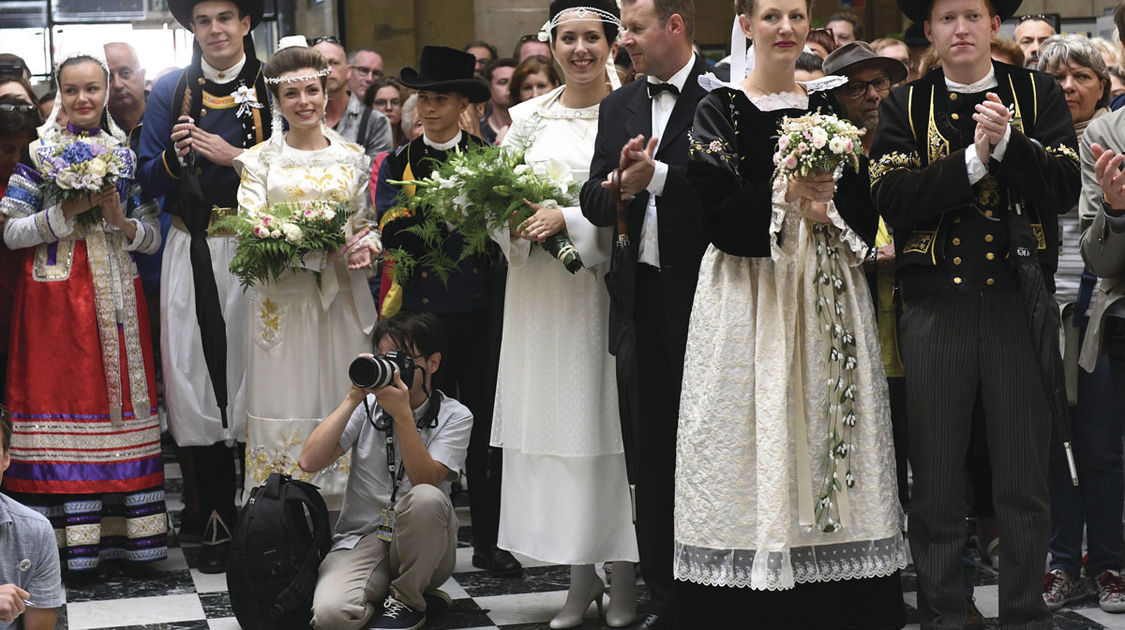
point(398, 616)
point(1061, 588)
point(1111, 591)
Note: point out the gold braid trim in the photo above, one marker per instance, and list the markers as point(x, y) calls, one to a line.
point(1064, 151)
point(892, 161)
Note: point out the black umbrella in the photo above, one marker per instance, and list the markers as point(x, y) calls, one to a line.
point(195, 211)
point(621, 283)
point(1043, 319)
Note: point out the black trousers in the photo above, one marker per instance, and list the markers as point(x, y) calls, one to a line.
point(215, 480)
point(660, 362)
point(955, 345)
point(468, 373)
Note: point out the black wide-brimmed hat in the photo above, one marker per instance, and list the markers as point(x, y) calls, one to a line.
point(181, 10)
point(919, 10)
point(855, 56)
point(445, 69)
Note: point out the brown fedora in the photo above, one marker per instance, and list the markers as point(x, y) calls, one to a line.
point(856, 56)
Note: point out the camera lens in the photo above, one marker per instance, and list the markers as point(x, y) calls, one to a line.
point(371, 372)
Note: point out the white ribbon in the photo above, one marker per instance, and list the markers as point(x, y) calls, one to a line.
point(246, 99)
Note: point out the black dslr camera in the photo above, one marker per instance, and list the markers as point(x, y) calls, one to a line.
point(379, 371)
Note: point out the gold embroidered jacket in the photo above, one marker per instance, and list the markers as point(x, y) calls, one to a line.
point(951, 235)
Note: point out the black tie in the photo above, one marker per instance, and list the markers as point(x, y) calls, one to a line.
point(657, 88)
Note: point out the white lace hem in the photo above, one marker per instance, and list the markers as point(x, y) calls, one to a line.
point(780, 570)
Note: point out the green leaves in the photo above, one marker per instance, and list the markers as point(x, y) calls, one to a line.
point(260, 258)
point(478, 191)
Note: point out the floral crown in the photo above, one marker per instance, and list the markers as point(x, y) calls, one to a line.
point(576, 14)
point(323, 72)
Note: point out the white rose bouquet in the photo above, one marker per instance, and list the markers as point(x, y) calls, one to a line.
point(816, 143)
point(277, 239)
point(477, 192)
point(78, 168)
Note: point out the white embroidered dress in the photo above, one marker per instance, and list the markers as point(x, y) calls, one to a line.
point(753, 430)
point(302, 336)
point(564, 497)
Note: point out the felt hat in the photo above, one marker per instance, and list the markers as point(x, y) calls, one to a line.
point(445, 69)
point(181, 10)
point(856, 56)
point(919, 10)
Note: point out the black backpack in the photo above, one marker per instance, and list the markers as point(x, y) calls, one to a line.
point(281, 536)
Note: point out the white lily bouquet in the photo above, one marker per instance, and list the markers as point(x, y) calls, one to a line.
point(808, 146)
point(277, 239)
point(78, 168)
point(478, 191)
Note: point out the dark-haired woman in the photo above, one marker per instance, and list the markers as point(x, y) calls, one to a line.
point(81, 387)
point(564, 494)
point(387, 96)
point(305, 327)
point(18, 122)
point(785, 473)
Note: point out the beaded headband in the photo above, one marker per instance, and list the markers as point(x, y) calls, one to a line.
point(577, 14)
point(304, 77)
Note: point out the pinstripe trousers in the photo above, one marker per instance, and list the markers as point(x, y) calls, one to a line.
point(955, 345)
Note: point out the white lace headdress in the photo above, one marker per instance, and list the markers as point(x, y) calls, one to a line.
point(742, 62)
point(49, 130)
point(577, 14)
point(277, 126)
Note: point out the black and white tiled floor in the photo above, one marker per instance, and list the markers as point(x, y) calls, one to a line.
point(173, 595)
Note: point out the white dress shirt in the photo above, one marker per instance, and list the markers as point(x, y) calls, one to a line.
point(662, 105)
point(442, 146)
point(221, 77)
point(977, 169)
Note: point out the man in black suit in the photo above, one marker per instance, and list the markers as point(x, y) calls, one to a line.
point(642, 129)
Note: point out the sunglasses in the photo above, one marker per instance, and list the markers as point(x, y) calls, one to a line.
point(18, 107)
point(331, 39)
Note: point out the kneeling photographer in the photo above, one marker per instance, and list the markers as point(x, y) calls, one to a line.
point(397, 533)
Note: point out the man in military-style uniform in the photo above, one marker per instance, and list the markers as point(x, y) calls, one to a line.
point(963, 158)
point(196, 122)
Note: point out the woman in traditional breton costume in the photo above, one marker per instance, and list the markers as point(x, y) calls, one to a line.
point(307, 326)
point(81, 385)
point(564, 494)
point(778, 491)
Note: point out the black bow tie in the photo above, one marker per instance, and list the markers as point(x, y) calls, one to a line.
point(657, 88)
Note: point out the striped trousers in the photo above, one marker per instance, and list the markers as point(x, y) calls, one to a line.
point(955, 345)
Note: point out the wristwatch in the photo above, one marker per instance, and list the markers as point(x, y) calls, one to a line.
point(1110, 210)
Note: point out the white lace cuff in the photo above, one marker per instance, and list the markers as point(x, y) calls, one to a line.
point(853, 242)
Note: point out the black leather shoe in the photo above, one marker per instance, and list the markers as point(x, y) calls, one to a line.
point(649, 622)
point(498, 562)
point(437, 603)
point(216, 545)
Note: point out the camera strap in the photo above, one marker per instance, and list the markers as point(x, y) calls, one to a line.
point(395, 467)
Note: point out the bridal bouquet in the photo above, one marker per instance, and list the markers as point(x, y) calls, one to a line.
point(816, 143)
point(477, 192)
point(277, 239)
point(807, 146)
point(76, 169)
